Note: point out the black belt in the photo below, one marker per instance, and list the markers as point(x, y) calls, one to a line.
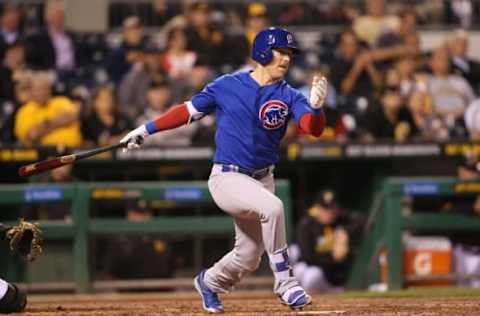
point(257, 174)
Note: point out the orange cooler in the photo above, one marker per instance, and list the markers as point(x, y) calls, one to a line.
point(429, 257)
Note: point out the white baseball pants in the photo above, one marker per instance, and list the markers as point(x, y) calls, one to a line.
point(259, 226)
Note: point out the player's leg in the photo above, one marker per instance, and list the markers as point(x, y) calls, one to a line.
point(228, 271)
point(286, 285)
point(240, 195)
point(12, 300)
point(243, 259)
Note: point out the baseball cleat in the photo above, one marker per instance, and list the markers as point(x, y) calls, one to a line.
point(296, 298)
point(211, 302)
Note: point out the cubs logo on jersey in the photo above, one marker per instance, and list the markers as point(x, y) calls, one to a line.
point(273, 114)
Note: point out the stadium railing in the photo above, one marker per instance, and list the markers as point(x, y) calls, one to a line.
point(83, 226)
point(388, 219)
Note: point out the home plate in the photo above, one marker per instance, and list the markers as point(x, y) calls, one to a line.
point(320, 312)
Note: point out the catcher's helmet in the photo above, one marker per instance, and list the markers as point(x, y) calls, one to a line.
point(271, 38)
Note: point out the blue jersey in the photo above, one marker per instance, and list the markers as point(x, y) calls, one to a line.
point(251, 119)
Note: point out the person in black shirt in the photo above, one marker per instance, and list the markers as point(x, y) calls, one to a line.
point(10, 27)
point(353, 73)
point(150, 255)
point(105, 124)
point(391, 119)
point(53, 47)
point(462, 65)
point(466, 247)
point(130, 51)
point(323, 238)
point(12, 70)
point(207, 41)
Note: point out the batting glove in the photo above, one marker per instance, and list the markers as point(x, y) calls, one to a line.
point(318, 93)
point(135, 138)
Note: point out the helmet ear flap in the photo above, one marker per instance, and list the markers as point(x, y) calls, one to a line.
point(265, 56)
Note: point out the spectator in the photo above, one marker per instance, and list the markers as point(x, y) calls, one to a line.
point(427, 123)
point(303, 13)
point(52, 47)
point(354, 74)
point(399, 43)
point(236, 42)
point(371, 26)
point(391, 78)
point(257, 20)
point(150, 256)
point(462, 65)
point(130, 50)
point(161, 12)
point(324, 238)
point(472, 120)
point(406, 68)
point(105, 125)
point(9, 27)
point(47, 120)
point(462, 11)
point(401, 35)
point(392, 119)
point(132, 91)
point(201, 74)
point(13, 69)
point(450, 93)
point(177, 61)
point(159, 99)
point(22, 88)
point(209, 43)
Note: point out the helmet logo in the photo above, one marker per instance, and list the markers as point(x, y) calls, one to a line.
point(271, 39)
point(289, 38)
point(273, 114)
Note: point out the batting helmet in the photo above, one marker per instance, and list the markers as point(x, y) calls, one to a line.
point(270, 38)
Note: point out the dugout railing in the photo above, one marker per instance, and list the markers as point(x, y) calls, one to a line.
point(388, 219)
point(83, 226)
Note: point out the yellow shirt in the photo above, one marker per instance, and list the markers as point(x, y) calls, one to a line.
point(32, 114)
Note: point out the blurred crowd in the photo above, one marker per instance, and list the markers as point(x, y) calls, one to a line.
point(64, 88)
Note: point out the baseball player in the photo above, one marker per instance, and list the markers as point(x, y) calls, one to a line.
point(252, 111)
point(12, 300)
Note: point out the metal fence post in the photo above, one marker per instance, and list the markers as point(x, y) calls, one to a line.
point(393, 239)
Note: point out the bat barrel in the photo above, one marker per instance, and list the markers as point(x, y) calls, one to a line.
point(56, 162)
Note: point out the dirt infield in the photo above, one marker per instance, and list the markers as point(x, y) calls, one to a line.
point(247, 303)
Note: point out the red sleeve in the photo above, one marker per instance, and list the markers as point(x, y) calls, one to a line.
point(176, 116)
point(312, 124)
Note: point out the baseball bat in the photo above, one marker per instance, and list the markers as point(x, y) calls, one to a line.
point(57, 162)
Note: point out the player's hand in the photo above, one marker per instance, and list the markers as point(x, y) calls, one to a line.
point(135, 138)
point(318, 93)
